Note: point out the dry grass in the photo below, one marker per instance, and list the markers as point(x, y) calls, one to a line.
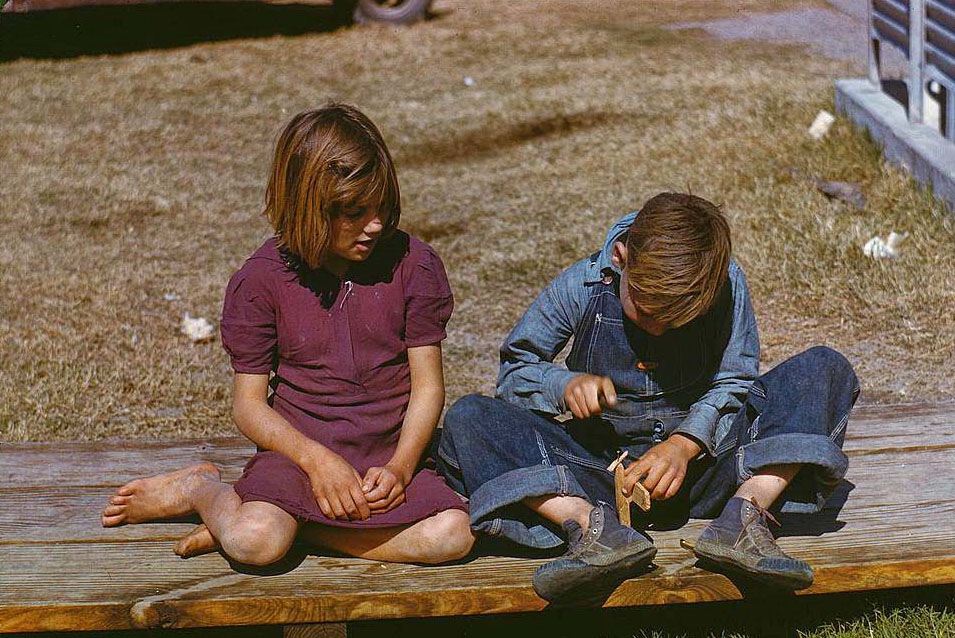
point(139, 173)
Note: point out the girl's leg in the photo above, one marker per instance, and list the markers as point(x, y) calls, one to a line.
point(444, 537)
point(256, 533)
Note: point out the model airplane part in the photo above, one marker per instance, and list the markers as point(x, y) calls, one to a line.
point(640, 495)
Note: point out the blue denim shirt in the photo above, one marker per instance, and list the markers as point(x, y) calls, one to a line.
point(529, 378)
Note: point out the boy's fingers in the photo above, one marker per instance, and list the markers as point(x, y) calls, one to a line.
point(674, 487)
point(609, 392)
point(592, 397)
point(663, 486)
point(653, 478)
point(576, 408)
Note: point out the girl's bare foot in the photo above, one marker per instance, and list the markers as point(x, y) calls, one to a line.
point(198, 541)
point(157, 497)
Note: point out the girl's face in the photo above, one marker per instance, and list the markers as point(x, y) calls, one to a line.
point(352, 237)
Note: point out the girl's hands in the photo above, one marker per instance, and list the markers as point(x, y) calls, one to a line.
point(337, 487)
point(662, 467)
point(384, 488)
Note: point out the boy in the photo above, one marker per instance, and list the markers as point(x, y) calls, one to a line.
point(664, 364)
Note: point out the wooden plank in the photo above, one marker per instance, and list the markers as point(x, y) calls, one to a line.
point(890, 427)
point(205, 591)
point(60, 571)
point(44, 514)
point(114, 462)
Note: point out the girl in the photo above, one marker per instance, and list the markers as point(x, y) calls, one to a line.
point(348, 313)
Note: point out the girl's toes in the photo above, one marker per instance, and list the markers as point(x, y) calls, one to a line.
point(114, 510)
point(119, 500)
point(113, 521)
point(127, 489)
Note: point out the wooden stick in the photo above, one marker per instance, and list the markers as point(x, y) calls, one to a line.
point(623, 503)
point(640, 495)
point(613, 466)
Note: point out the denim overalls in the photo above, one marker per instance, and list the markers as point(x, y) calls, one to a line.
point(499, 454)
point(657, 379)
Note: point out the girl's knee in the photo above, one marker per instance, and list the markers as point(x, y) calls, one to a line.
point(445, 537)
point(258, 542)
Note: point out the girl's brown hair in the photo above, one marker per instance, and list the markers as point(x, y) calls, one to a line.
point(328, 160)
point(678, 253)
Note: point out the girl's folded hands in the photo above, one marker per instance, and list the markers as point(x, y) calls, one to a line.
point(384, 488)
point(337, 488)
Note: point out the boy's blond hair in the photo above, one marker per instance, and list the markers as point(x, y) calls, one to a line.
point(678, 253)
point(328, 160)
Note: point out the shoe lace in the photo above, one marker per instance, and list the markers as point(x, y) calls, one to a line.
point(760, 534)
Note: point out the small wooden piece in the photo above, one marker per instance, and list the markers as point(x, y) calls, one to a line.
point(640, 495)
point(623, 503)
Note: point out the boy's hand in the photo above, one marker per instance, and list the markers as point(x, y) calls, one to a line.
point(384, 489)
point(662, 467)
point(337, 486)
point(588, 394)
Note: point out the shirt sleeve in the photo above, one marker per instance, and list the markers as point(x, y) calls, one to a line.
point(428, 301)
point(731, 325)
point(248, 322)
point(528, 377)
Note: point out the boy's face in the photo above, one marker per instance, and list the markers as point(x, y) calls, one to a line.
point(631, 307)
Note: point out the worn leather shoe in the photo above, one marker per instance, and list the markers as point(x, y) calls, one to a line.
point(740, 540)
point(597, 559)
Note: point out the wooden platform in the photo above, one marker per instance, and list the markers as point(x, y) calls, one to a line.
point(59, 570)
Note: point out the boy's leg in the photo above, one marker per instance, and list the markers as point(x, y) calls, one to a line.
point(502, 456)
point(788, 436)
point(255, 533)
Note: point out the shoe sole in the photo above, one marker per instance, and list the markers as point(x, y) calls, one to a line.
point(704, 552)
point(588, 584)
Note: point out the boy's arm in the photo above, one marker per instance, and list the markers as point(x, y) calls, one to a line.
point(736, 332)
point(528, 377)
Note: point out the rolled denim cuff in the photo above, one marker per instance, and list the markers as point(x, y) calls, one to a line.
point(700, 424)
point(829, 464)
point(513, 487)
point(555, 382)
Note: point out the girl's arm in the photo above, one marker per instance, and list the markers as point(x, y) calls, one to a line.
point(335, 483)
point(385, 485)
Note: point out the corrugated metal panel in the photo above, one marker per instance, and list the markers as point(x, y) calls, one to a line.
point(940, 35)
point(890, 20)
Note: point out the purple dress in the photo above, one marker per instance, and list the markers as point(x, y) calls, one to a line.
point(339, 353)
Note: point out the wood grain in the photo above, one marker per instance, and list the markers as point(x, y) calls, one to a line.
point(115, 462)
point(59, 570)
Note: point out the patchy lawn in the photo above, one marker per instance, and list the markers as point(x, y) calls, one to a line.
point(134, 147)
point(135, 176)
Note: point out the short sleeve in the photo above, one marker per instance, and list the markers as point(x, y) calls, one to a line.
point(248, 322)
point(428, 301)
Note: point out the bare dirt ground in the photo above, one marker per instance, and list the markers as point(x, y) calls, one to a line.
point(135, 139)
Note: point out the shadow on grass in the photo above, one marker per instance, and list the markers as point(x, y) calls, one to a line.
point(117, 29)
point(497, 138)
